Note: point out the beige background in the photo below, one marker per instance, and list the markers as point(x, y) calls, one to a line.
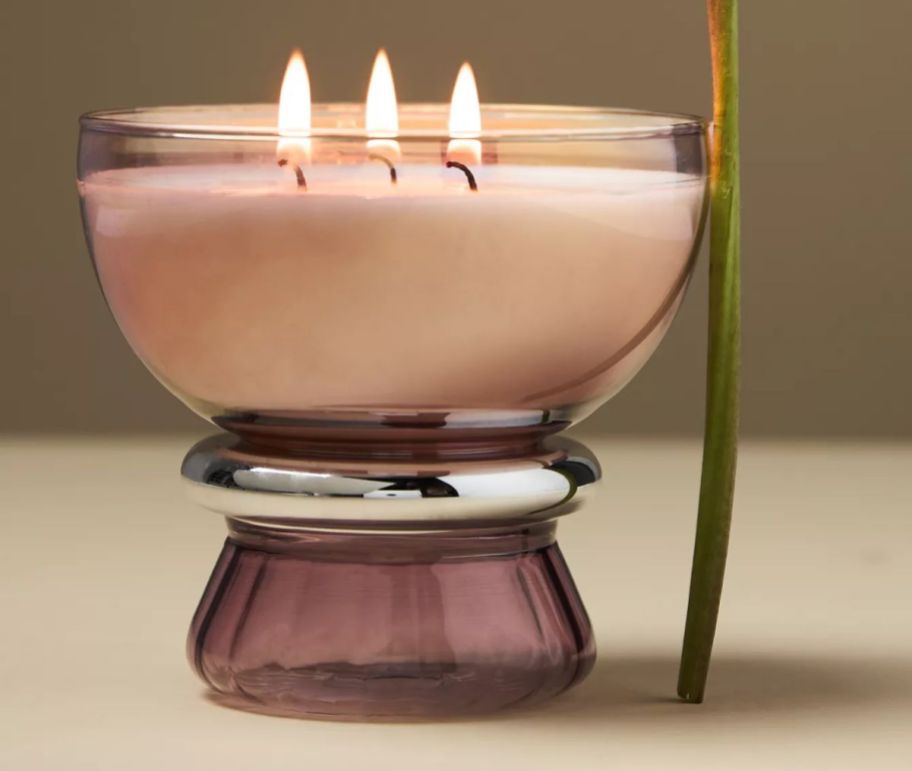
point(826, 172)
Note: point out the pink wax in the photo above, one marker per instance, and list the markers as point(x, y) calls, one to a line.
point(546, 290)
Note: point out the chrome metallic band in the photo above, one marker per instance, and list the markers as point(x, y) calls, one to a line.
point(223, 476)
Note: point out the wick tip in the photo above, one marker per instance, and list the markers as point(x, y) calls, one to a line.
point(299, 174)
point(394, 175)
point(470, 177)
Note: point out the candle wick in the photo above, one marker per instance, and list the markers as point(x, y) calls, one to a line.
point(394, 175)
point(473, 185)
point(299, 175)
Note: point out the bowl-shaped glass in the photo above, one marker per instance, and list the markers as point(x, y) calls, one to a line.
point(339, 301)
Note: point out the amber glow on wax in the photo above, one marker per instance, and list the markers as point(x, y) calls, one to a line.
point(294, 113)
point(465, 119)
point(382, 112)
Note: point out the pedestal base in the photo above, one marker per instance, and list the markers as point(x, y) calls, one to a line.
point(380, 587)
point(376, 625)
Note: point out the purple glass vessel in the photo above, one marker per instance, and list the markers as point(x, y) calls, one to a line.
point(392, 358)
point(366, 625)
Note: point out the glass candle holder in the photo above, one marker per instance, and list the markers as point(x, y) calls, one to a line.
point(390, 338)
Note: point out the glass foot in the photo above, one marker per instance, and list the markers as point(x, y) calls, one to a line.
point(368, 624)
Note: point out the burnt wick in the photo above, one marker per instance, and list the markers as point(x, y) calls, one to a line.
point(394, 175)
point(473, 185)
point(299, 175)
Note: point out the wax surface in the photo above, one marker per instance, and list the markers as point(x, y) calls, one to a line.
point(546, 289)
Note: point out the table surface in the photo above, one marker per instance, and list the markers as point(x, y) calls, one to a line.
point(104, 560)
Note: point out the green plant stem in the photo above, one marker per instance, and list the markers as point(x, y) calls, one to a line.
point(717, 484)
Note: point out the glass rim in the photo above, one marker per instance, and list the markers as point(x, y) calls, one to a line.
point(548, 122)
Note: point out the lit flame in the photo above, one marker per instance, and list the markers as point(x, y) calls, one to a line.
point(294, 113)
point(382, 113)
point(465, 119)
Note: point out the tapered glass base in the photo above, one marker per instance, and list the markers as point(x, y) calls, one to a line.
point(375, 625)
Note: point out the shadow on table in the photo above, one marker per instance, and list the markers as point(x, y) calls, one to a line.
point(630, 687)
point(629, 690)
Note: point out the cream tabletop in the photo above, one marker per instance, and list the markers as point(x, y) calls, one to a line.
point(104, 561)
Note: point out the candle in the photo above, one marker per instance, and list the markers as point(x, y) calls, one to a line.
point(487, 292)
point(389, 308)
